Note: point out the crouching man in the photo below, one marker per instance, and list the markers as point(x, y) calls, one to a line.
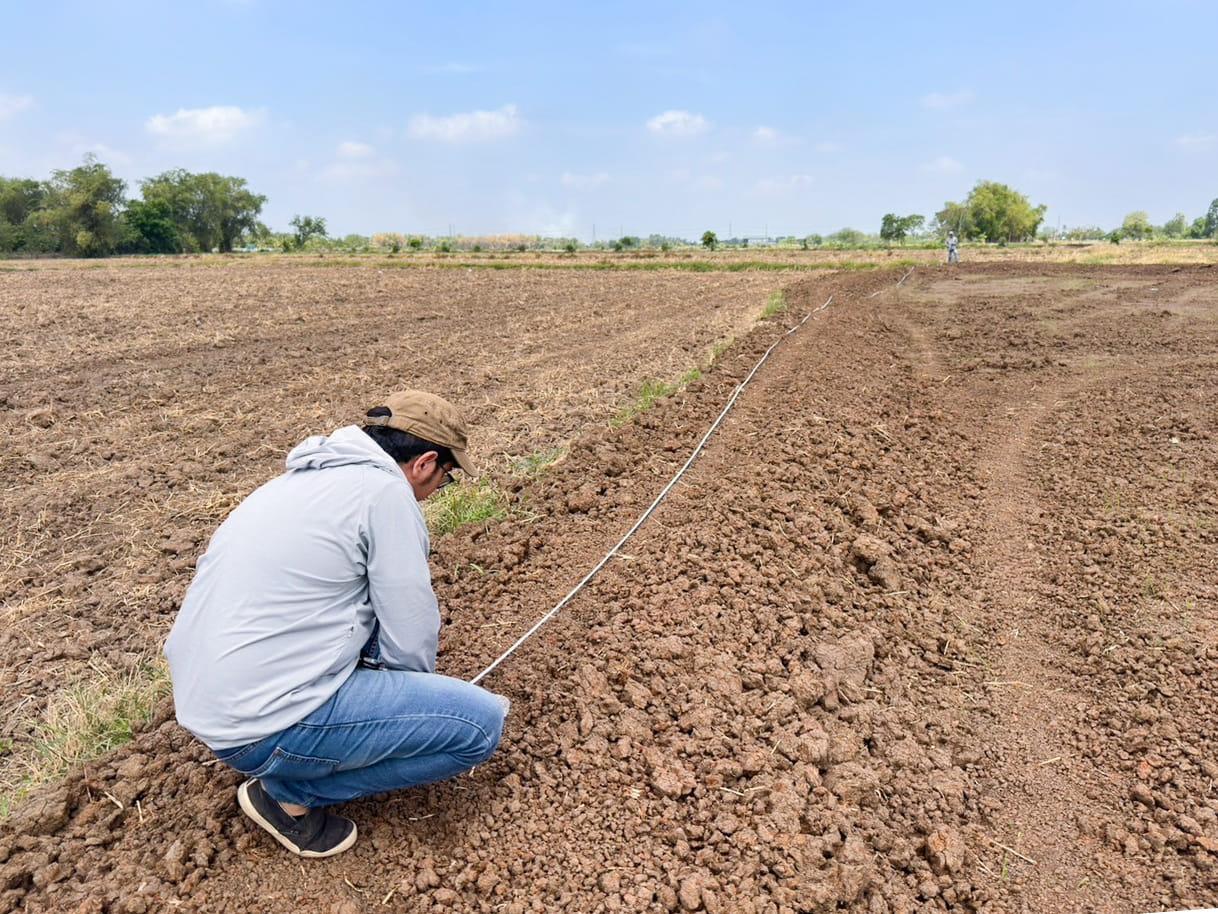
point(304, 653)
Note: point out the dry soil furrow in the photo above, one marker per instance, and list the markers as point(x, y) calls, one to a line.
point(1032, 697)
point(1057, 369)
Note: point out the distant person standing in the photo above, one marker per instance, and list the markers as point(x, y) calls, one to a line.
point(953, 255)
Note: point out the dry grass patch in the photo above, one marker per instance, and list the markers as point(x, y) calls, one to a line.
point(83, 723)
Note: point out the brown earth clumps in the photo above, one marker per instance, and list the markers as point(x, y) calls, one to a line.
point(140, 404)
point(930, 626)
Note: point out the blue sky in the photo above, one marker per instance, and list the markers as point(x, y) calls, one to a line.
point(634, 118)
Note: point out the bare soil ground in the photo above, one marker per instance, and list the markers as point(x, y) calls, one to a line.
point(931, 626)
point(138, 406)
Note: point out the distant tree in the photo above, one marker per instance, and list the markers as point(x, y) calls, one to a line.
point(415, 243)
point(20, 230)
point(210, 211)
point(83, 205)
point(151, 229)
point(1136, 226)
point(569, 247)
point(954, 217)
point(848, 237)
point(814, 241)
point(19, 197)
point(896, 228)
point(1085, 233)
point(1176, 226)
point(992, 212)
point(629, 242)
point(306, 227)
point(1210, 227)
point(710, 240)
point(1197, 229)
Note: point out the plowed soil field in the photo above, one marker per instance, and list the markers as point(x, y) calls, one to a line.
point(138, 405)
point(930, 626)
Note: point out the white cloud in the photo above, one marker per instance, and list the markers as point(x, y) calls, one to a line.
point(942, 101)
point(14, 104)
point(943, 165)
point(766, 136)
point(78, 145)
point(468, 126)
point(1196, 140)
point(348, 170)
point(784, 184)
point(583, 182)
point(351, 149)
point(211, 126)
point(772, 137)
point(678, 123)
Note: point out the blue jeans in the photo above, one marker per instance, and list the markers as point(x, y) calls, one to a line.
point(382, 730)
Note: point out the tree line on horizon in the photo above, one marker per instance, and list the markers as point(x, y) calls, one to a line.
point(996, 213)
point(85, 212)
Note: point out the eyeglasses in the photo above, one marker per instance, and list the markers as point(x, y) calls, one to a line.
point(446, 481)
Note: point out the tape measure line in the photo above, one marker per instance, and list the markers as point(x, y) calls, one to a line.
point(658, 499)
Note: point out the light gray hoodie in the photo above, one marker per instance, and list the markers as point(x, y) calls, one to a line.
point(288, 590)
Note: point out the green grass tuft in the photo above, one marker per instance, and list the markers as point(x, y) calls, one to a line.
point(463, 503)
point(532, 465)
point(776, 305)
point(651, 392)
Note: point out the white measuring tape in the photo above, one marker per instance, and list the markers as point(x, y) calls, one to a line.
point(659, 498)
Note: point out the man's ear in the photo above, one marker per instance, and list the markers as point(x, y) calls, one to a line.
point(422, 466)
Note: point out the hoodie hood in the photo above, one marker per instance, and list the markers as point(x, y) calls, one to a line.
point(346, 446)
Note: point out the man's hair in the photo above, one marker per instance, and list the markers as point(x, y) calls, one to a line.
point(404, 447)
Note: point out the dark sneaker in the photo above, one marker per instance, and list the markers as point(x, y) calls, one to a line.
point(315, 834)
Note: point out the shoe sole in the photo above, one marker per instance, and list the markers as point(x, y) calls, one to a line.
point(247, 807)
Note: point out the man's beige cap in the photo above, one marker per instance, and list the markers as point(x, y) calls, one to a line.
point(429, 417)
